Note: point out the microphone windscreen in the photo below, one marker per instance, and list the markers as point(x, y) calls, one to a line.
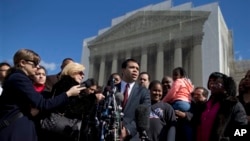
point(142, 117)
point(119, 98)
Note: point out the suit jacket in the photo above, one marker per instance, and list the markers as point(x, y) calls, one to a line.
point(19, 95)
point(139, 95)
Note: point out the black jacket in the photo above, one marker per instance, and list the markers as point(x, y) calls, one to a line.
point(19, 95)
point(231, 116)
point(78, 106)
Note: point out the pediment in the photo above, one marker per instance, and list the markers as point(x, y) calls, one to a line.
point(146, 21)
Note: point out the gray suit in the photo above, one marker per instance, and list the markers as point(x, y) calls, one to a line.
point(139, 95)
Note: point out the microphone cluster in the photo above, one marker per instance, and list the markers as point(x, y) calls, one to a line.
point(111, 115)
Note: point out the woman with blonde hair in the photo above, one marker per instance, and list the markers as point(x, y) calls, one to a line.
point(19, 95)
point(72, 74)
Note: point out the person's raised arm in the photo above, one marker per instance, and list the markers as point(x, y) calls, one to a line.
point(74, 90)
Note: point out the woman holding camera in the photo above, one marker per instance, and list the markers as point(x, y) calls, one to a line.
point(19, 95)
point(72, 74)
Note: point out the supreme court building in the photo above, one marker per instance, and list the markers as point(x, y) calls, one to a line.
point(162, 37)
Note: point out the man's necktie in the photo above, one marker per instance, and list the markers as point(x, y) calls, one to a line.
point(125, 96)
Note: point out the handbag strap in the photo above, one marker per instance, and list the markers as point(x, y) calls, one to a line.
point(8, 121)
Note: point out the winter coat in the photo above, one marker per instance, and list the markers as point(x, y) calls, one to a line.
point(231, 116)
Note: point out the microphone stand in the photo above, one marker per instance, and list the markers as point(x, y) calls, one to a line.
point(111, 117)
point(143, 136)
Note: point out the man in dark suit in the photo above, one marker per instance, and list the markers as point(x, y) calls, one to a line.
point(52, 79)
point(137, 95)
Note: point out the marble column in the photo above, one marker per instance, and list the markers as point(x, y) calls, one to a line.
point(114, 63)
point(102, 71)
point(197, 61)
point(159, 72)
point(178, 54)
point(91, 67)
point(128, 54)
point(144, 60)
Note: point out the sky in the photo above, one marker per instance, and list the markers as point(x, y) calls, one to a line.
point(55, 29)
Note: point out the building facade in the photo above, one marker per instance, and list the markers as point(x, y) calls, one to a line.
point(241, 68)
point(162, 37)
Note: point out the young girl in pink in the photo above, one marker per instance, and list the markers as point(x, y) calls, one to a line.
point(179, 96)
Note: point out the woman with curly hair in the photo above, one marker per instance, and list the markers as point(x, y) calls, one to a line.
point(72, 74)
point(222, 114)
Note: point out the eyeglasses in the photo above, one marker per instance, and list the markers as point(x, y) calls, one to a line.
point(80, 73)
point(32, 63)
point(216, 84)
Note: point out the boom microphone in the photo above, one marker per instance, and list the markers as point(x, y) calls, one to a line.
point(142, 121)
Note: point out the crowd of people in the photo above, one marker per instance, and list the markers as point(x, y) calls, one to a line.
point(176, 110)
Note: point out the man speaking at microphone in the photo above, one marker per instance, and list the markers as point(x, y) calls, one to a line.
point(134, 95)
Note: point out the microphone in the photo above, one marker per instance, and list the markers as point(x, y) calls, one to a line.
point(142, 121)
point(119, 97)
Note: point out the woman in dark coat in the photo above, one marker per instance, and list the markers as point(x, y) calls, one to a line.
point(19, 96)
point(77, 107)
point(244, 96)
point(222, 114)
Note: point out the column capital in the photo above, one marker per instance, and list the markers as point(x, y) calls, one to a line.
point(103, 58)
point(178, 43)
point(160, 47)
point(115, 55)
point(91, 59)
point(144, 50)
point(197, 39)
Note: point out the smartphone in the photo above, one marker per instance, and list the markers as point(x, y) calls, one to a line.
point(82, 85)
